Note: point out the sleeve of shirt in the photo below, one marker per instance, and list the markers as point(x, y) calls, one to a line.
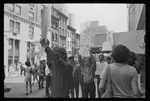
point(134, 75)
point(103, 76)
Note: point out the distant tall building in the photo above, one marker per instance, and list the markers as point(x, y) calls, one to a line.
point(71, 20)
point(84, 26)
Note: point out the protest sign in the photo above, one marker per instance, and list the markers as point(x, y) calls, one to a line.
point(134, 40)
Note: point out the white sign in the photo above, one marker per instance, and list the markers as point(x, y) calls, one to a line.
point(134, 40)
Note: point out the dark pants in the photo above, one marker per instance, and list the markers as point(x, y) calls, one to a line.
point(98, 82)
point(88, 88)
point(48, 83)
point(41, 79)
point(76, 86)
point(81, 82)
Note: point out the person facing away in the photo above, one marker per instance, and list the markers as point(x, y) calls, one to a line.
point(123, 77)
point(28, 76)
point(76, 75)
point(89, 73)
point(70, 76)
point(58, 57)
point(100, 66)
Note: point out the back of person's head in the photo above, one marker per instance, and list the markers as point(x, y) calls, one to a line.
point(61, 51)
point(120, 54)
point(132, 58)
point(27, 63)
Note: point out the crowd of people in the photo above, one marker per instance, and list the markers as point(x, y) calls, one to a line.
point(64, 75)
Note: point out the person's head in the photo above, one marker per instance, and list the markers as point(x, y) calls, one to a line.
point(101, 57)
point(61, 51)
point(71, 59)
point(132, 58)
point(88, 61)
point(108, 60)
point(27, 63)
point(120, 54)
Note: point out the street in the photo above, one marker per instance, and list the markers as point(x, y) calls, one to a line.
point(18, 89)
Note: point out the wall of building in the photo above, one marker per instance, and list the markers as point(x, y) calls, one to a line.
point(23, 36)
point(134, 13)
point(71, 20)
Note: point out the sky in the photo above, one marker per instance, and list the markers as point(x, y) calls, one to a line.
point(114, 16)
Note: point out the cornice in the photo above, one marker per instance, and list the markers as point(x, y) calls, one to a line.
point(20, 18)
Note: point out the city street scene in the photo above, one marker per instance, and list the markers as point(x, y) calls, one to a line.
point(74, 50)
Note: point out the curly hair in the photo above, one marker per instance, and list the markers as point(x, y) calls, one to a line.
point(27, 63)
point(120, 54)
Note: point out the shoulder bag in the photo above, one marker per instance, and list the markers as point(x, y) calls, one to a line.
point(108, 92)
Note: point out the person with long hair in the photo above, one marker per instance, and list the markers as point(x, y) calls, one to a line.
point(28, 79)
point(124, 78)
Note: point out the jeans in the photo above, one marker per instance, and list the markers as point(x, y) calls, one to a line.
point(88, 88)
point(41, 80)
point(76, 86)
point(48, 83)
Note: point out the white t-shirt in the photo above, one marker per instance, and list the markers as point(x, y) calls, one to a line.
point(99, 67)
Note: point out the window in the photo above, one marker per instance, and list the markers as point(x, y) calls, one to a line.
point(17, 44)
point(10, 44)
point(17, 27)
point(70, 35)
point(31, 15)
point(28, 47)
point(18, 9)
point(60, 30)
point(70, 43)
point(67, 43)
point(11, 25)
point(65, 33)
point(31, 31)
point(11, 7)
point(52, 36)
point(56, 37)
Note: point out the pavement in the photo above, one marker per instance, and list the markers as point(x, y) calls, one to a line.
point(18, 88)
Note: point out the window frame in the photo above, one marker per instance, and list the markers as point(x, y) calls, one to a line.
point(31, 18)
point(11, 8)
point(17, 27)
point(31, 32)
point(17, 10)
point(11, 25)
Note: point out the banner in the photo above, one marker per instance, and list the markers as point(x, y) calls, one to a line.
point(45, 22)
point(134, 40)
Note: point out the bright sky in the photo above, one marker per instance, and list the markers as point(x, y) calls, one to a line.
point(114, 16)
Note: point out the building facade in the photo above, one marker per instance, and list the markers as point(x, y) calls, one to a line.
point(73, 41)
point(77, 42)
point(54, 26)
point(22, 27)
point(62, 29)
point(136, 17)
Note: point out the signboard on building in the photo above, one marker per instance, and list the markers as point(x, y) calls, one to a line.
point(134, 40)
